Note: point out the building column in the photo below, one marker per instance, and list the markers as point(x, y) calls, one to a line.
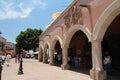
point(65, 58)
point(44, 56)
point(51, 56)
point(97, 72)
point(40, 55)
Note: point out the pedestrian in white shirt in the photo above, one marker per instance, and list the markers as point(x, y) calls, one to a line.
point(8, 57)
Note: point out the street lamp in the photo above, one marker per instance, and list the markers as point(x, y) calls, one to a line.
point(20, 71)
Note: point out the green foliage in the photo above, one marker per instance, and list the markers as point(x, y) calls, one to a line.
point(28, 39)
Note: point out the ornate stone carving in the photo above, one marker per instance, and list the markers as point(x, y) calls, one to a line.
point(74, 17)
point(67, 20)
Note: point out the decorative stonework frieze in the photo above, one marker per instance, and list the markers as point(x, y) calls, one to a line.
point(73, 17)
point(67, 20)
point(76, 15)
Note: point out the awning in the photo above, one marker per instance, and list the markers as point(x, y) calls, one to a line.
point(36, 52)
point(30, 52)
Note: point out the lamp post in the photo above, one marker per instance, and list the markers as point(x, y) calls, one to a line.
point(20, 71)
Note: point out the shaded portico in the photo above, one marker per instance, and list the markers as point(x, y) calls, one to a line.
point(103, 28)
point(75, 30)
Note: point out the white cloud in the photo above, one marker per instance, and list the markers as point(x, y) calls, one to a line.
point(39, 3)
point(11, 10)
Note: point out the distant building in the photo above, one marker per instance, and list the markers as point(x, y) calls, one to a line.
point(6, 47)
point(10, 48)
point(2, 44)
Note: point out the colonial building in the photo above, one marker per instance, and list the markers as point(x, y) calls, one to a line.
point(86, 28)
point(6, 47)
point(10, 48)
point(2, 44)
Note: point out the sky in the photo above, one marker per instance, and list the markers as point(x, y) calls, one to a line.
point(18, 15)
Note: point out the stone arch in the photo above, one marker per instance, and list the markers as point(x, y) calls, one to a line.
point(41, 47)
point(45, 45)
point(105, 19)
point(100, 28)
point(73, 30)
point(55, 39)
point(46, 54)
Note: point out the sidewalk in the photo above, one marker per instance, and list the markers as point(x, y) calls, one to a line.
point(34, 70)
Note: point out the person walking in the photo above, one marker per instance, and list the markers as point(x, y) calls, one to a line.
point(8, 57)
point(16, 58)
point(3, 59)
point(59, 56)
point(76, 61)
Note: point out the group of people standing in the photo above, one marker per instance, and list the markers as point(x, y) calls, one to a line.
point(18, 58)
point(79, 61)
point(5, 59)
point(58, 58)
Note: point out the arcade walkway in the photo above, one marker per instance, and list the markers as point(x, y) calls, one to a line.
point(34, 70)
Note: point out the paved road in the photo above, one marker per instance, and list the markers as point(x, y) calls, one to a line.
point(34, 70)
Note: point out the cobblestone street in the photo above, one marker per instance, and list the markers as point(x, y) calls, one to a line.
point(34, 70)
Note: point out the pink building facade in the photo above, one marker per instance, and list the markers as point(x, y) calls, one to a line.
point(82, 29)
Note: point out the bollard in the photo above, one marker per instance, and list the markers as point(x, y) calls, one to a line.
point(20, 71)
point(0, 70)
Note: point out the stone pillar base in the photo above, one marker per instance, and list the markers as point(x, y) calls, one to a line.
point(40, 61)
point(65, 67)
point(51, 64)
point(98, 75)
point(43, 61)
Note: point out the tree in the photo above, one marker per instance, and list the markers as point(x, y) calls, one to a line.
point(28, 39)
